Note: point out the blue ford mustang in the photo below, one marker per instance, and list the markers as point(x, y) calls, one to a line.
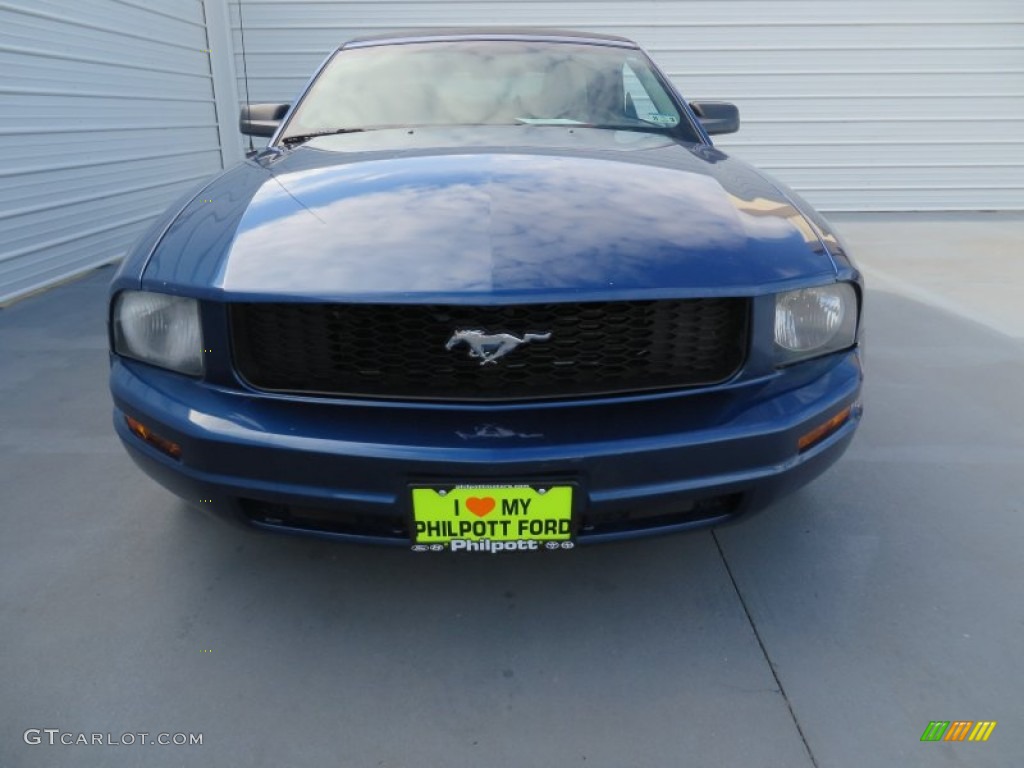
point(487, 290)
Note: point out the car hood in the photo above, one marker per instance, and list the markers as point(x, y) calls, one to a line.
point(372, 217)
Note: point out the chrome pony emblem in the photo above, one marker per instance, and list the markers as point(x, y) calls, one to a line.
point(489, 347)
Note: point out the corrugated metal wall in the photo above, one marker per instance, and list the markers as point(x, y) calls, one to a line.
point(107, 114)
point(858, 104)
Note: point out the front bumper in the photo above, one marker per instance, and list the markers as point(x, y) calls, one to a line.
point(644, 465)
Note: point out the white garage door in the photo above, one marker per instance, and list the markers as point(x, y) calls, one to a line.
point(107, 114)
point(858, 104)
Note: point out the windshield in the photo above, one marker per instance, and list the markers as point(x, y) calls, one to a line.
point(487, 83)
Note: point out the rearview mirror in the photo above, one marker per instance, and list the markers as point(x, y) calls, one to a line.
point(261, 119)
point(717, 116)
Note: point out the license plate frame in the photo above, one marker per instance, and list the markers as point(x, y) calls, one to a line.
point(559, 501)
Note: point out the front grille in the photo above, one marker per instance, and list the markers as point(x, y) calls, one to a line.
point(399, 350)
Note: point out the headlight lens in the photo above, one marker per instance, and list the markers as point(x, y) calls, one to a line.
point(815, 321)
point(159, 329)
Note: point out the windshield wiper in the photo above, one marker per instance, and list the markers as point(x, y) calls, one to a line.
point(647, 128)
point(299, 138)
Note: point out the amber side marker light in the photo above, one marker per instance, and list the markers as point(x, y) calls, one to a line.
point(143, 432)
point(822, 431)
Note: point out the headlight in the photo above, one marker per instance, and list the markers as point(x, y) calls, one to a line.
point(814, 321)
point(159, 329)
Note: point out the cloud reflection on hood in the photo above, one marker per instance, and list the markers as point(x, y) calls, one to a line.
point(497, 222)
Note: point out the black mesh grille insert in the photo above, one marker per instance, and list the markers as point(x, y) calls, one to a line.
point(399, 350)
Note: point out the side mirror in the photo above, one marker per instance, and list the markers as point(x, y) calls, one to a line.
point(261, 119)
point(717, 116)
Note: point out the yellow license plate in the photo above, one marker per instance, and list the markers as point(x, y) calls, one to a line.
point(492, 518)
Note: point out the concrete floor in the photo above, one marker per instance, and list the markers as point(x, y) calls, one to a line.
point(966, 263)
point(827, 632)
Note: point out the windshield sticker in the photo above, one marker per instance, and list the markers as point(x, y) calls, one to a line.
point(655, 117)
